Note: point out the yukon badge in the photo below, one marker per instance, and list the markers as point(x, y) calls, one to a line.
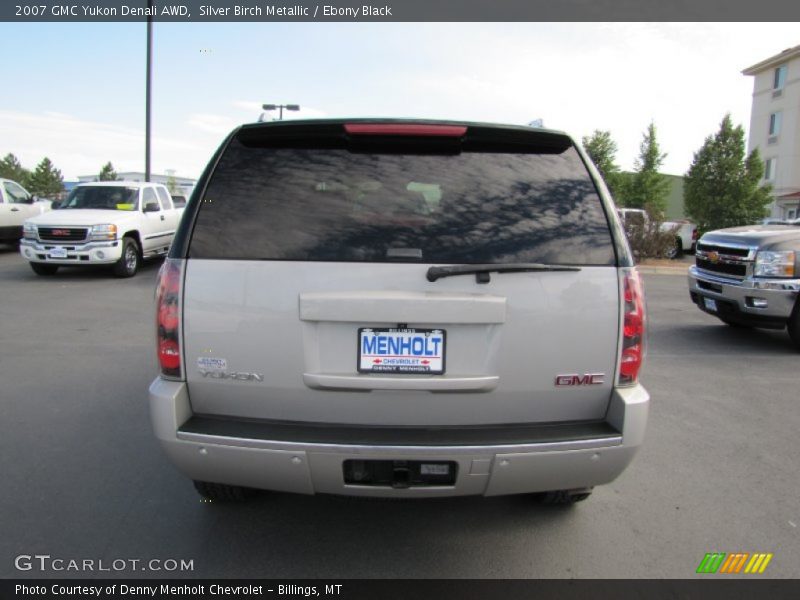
point(237, 375)
point(217, 368)
point(573, 379)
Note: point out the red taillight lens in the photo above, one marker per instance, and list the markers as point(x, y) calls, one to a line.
point(168, 310)
point(169, 354)
point(633, 327)
point(168, 316)
point(409, 129)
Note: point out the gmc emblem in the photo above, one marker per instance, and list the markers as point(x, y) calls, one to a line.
point(575, 379)
point(60, 232)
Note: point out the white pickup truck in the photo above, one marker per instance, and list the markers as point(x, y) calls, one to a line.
point(685, 231)
point(16, 205)
point(115, 223)
point(685, 235)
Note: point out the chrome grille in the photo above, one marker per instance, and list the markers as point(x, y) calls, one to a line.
point(739, 251)
point(62, 234)
point(737, 270)
point(722, 259)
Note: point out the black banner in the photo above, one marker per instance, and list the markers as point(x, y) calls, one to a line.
point(400, 10)
point(399, 589)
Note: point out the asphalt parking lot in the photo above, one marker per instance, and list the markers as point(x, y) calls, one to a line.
point(83, 478)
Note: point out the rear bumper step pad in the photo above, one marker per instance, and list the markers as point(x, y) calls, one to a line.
point(462, 435)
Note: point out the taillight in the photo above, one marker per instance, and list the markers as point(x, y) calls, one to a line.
point(633, 327)
point(694, 235)
point(168, 318)
point(408, 129)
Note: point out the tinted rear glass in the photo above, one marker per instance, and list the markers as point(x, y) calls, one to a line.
point(306, 204)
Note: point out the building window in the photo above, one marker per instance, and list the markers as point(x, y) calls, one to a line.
point(775, 123)
point(769, 169)
point(779, 79)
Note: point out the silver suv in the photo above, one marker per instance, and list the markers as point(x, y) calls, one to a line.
point(405, 309)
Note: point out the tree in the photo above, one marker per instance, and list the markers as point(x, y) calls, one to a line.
point(603, 150)
point(172, 183)
point(45, 180)
point(722, 188)
point(647, 188)
point(107, 173)
point(10, 168)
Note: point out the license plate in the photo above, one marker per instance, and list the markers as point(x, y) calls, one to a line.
point(406, 351)
point(710, 304)
point(57, 253)
point(434, 469)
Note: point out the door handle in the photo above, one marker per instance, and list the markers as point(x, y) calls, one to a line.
point(14, 210)
point(162, 217)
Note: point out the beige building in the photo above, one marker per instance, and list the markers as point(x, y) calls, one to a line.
point(775, 127)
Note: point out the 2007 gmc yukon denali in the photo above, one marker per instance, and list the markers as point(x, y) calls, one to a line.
point(395, 308)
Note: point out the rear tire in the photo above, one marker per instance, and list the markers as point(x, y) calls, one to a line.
point(677, 250)
point(563, 497)
point(43, 269)
point(128, 263)
point(221, 492)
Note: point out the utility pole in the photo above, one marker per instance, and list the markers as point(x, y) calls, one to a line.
point(148, 91)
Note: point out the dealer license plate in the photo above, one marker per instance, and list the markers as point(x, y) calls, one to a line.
point(710, 303)
point(57, 253)
point(405, 351)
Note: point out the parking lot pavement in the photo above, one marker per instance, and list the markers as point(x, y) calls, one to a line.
point(84, 479)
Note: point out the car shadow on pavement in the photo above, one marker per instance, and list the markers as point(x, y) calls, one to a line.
point(725, 340)
point(70, 273)
point(291, 535)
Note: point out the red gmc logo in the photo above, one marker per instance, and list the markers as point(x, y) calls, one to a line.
point(60, 231)
point(575, 379)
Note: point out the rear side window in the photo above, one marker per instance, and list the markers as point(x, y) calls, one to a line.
point(163, 197)
point(302, 204)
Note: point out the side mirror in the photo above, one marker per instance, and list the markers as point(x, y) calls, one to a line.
point(151, 207)
point(32, 199)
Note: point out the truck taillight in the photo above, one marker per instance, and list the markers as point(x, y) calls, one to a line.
point(168, 313)
point(633, 327)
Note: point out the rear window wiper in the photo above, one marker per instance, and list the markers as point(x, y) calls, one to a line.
point(482, 271)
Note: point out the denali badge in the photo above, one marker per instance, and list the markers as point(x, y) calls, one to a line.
point(237, 375)
point(575, 379)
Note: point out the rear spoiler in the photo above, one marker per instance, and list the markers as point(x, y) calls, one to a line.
point(406, 136)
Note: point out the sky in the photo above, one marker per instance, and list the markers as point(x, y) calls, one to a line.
point(75, 92)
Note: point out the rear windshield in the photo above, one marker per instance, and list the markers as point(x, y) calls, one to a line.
point(301, 204)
